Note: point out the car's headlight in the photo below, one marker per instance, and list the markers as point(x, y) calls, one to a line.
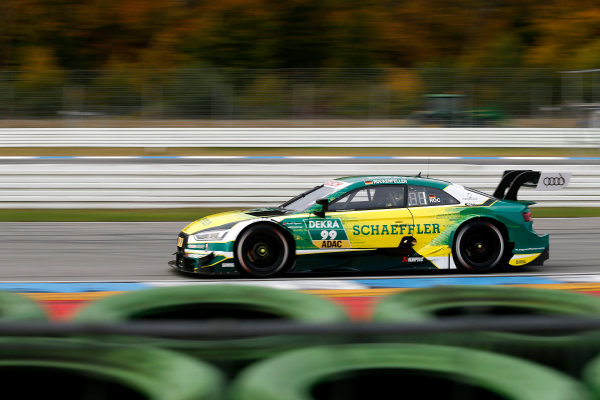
point(210, 235)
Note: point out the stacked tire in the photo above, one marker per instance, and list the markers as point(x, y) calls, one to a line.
point(41, 367)
point(568, 352)
point(219, 302)
point(34, 368)
point(16, 307)
point(361, 371)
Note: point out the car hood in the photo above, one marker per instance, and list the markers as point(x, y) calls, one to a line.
point(228, 219)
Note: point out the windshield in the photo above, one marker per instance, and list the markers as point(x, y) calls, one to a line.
point(308, 198)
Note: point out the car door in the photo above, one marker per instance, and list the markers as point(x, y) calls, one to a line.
point(374, 216)
point(433, 211)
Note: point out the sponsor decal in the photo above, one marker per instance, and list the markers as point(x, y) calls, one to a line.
point(195, 255)
point(179, 242)
point(293, 225)
point(327, 233)
point(324, 224)
point(522, 259)
point(433, 199)
point(228, 265)
point(412, 259)
point(378, 181)
point(553, 180)
point(336, 184)
point(472, 199)
point(400, 229)
point(530, 249)
point(332, 243)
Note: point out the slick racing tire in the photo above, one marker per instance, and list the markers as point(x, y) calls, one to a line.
point(262, 251)
point(479, 246)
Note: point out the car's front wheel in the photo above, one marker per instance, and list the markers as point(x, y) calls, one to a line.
point(479, 246)
point(262, 250)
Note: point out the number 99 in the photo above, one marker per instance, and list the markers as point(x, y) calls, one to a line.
point(328, 235)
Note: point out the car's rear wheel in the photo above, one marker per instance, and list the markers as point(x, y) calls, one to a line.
point(262, 250)
point(479, 246)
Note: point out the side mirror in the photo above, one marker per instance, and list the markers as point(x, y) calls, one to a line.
point(324, 203)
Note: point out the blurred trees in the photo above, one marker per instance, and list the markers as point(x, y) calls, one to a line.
point(95, 34)
point(117, 43)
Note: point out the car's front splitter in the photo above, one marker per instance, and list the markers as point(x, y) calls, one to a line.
point(207, 264)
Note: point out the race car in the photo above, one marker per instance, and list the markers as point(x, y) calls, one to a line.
point(373, 223)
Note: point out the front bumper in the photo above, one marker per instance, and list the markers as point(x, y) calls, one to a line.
point(192, 266)
point(203, 262)
point(189, 264)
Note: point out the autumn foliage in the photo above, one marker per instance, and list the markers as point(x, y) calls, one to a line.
point(101, 34)
point(114, 38)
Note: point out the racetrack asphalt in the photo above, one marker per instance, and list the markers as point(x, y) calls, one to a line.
point(139, 251)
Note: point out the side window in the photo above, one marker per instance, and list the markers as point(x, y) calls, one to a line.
point(371, 198)
point(421, 196)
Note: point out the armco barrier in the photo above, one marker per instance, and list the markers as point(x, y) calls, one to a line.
point(568, 352)
point(257, 182)
point(57, 368)
point(371, 371)
point(301, 137)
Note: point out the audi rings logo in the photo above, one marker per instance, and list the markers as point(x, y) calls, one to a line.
point(554, 180)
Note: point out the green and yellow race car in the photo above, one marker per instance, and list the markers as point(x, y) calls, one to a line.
point(372, 223)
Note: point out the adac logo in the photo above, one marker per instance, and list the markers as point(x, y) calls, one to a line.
point(333, 244)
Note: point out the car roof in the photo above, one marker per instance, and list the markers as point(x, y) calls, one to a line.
point(366, 180)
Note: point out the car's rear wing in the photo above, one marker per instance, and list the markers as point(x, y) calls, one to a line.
point(513, 180)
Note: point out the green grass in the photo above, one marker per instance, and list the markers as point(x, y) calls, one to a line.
point(565, 212)
point(302, 151)
point(190, 214)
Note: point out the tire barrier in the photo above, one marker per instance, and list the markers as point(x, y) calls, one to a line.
point(15, 306)
point(37, 368)
point(219, 302)
point(568, 352)
point(369, 371)
point(591, 376)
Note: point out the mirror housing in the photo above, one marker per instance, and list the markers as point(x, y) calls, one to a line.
point(324, 203)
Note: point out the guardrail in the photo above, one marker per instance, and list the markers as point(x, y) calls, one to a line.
point(302, 137)
point(256, 183)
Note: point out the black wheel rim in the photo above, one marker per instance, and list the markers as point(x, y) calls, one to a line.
point(480, 246)
point(263, 252)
